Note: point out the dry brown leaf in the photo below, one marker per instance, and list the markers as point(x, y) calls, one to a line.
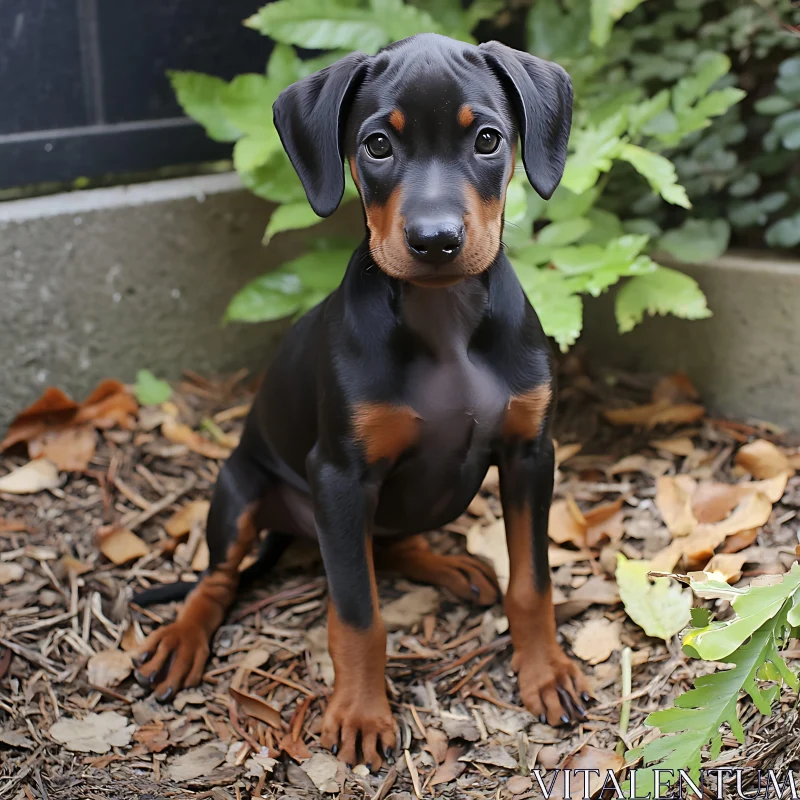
point(181, 522)
point(326, 771)
point(295, 748)
point(202, 557)
point(12, 525)
point(451, 768)
point(675, 388)
point(257, 707)
point(35, 476)
point(558, 556)
point(197, 763)
point(597, 640)
point(519, 784)
point(597, 763)
point(109, 668)
point(674, 501)
point(121, 546)
point(666, 559)
point(713, 501)
point(10, 573)
point(96, 733)
point(564, 452)
point(437, 744)
point(739, 541)
point(677, 445)
point(70, 449)
point(567, 523)
point(652, 414)
point(73, 565)
point(726, 567)
point(408, 610)
point(154, 736)
point(596, 590)
point(762, 459)
point(178, 433)
point(489, 542)
point(604, 523)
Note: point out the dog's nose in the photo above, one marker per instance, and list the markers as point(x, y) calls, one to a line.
point(435, 242)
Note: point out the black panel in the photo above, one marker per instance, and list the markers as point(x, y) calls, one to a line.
point(83, 90)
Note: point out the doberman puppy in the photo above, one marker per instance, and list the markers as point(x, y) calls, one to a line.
point(387, 403)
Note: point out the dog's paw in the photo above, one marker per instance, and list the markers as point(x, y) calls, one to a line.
point(171, 658)
point(359, 729)
point(553, 689)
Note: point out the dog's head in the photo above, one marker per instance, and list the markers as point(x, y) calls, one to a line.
point(429, 127)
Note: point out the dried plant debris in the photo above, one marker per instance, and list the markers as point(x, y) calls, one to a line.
point(107, 497)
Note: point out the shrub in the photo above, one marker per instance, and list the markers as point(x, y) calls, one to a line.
point(580, 242)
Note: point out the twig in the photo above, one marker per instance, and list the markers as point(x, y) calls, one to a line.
point(625, 712)
point(136, 518)
point(30, 655)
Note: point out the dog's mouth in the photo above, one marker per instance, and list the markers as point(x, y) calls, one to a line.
point(437, 281)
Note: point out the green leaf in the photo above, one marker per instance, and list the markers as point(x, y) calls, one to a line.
point(642, 113)
point(149, 390)
point(565, 204)
point(275, 181)
point(697, 240)
point(288, 217)
point(200, 97)
point(338, 25)
point(247, 103)
point(516, 201)
point(604, 14)
point(555, 34)
point(594, 150)
point(773, 104)
point(787, 126)
point(557, 234)
point(709, 68)
point(663, 291)
point(784, 232)
point(659, 172)
point(560, 310)
point(271, 297)
point(251, 152)
point(659, 606)
point(320, 270)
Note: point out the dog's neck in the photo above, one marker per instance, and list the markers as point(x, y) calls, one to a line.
point(445, 318)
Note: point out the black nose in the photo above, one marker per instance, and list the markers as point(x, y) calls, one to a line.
point(435, 242)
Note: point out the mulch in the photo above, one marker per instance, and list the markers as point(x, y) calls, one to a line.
point(463, 733)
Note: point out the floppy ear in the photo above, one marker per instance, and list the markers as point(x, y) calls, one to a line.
point(541, 95)
point(309, 116)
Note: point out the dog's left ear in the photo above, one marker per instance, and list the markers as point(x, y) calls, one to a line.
point(541, 95)
point(309, 116)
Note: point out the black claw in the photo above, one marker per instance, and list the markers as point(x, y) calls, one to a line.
point(581, 710)
point(585, 697)
point(165, 695)
point(542, 719)
point(142, 658)
point(335, 749)
point(565, 719)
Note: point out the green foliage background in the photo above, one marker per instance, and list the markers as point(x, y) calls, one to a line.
point(649, 95)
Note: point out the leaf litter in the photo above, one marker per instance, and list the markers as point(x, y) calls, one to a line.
point(661, 481)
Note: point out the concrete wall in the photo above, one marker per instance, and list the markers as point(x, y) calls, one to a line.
point(745, 359)
point(101, 283)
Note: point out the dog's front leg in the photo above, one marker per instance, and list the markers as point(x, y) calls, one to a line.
point(358, 713)
point(551, 685)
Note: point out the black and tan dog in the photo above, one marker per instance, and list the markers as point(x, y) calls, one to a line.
point(388, 402)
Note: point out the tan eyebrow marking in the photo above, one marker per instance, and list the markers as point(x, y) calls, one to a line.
point(465, 116)
point(397, 120)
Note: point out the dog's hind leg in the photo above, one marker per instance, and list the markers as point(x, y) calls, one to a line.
point(174, 655)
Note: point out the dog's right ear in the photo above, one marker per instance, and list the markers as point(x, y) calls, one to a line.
point(309, 116)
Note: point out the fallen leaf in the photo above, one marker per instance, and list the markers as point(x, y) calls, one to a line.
point(762, 459)
point(674, 388)
point(408, 610)
point(489, 541)
point(660, 607)
point(450, 769)
point(181, 522)
point(10, 573)
point(261, 763)
point(319, 655)
point(12, 525)
point(33, 477)
point(713, 501)
point(326, 771)
point(257, 707)
point(73, 565)
point(14, 739)
point(108, 405)
point(597, 640)
point(666, 559)
point(674, 501)
point(596, 763)
point(178, 433)
point(558, 556)
point(596, 590)
point(652, 414)
point(437, 744)
point(202, 557)
point(677, 445)
point(634, 463)
point(153, 736)
point(109, 668)
point(725, 567)
point(494, 755)
point(519, 784)
point(458, 726)
point(739, 541)
point(295, 748)
point(149, 390)
point(96, 733)
point(565, 452)
point(121, 546)
point(70, 449)
point(604, 523)
point(565, 525)
point(197, 763)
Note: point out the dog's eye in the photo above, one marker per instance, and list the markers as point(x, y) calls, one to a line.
point(378, 146)
point(487, 142)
